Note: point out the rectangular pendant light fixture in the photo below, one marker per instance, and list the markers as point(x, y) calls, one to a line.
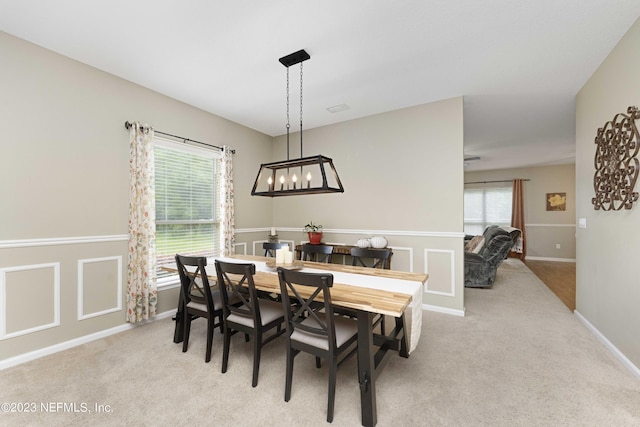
point(305, 175)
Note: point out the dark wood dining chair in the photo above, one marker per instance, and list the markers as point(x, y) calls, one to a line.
point(270, 248)
point(245, 312)
point(317, 253)
point(198, 300)
point(370, 258)
point(312, 326)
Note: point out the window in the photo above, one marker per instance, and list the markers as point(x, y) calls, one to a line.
point(486, 206)
point(187, 195)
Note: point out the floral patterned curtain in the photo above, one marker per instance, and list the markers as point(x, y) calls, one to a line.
point(142, 290)
point(227, 215)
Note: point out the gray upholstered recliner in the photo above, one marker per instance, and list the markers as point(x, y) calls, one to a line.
point(495, 230)
point(480, 268)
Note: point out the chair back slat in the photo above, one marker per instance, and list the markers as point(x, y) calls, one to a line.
point(270, 248)
point(194, 283)
point(195, 288)
point(310, 297)
point(317, 253)
point(238, 290)
point(379, 258)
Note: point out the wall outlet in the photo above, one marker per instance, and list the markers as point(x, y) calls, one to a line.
point(557, 245)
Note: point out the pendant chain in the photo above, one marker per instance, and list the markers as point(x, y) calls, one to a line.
point(287, 98)
point(301, 111)
point(301, 95)
point(288, 126)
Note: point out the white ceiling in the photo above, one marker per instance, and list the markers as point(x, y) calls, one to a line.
point(519, 64)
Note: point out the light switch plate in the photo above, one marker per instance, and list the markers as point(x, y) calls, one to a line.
point(582, 222)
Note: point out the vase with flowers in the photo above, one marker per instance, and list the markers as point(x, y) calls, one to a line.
point(314, 231)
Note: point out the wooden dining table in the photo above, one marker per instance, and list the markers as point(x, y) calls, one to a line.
point(365, 292)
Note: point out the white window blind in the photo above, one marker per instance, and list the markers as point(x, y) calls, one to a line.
point(486, 206)
point(187, 208)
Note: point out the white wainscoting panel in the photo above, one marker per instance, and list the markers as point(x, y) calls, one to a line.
point(396, 249)
point(244, 248)
point(451, 292)
point(117, 291)
point(27, 293)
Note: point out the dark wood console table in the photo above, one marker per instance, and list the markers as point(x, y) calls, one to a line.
point(345, 250)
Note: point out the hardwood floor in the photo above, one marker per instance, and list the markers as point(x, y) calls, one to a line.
point(560, 277)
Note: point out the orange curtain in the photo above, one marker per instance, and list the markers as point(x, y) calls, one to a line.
point(517, 215)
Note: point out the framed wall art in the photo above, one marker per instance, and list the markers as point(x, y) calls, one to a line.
point(556, 201)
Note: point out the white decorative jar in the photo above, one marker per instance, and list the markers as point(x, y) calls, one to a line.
point(378, 242)
point(363, 243)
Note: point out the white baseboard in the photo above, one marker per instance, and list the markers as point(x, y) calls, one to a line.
point(27, 357)
point(542, 258)
point(612, 348)
point(443, 310)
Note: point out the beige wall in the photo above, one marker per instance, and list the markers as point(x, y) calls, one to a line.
point(64, 162)
point(64, 158)
point(544, 229)
point(392, 166)
point(607, 288)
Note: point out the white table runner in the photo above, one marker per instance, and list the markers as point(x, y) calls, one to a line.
point(413, 313)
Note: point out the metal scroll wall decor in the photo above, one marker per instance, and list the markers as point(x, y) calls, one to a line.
point(616, 162)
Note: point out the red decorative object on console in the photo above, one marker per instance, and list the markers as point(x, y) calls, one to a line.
point(315, 237)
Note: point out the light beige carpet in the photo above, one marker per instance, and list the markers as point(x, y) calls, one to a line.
point(518, 358)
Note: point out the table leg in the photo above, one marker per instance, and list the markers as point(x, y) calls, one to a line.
point(400, 326)
point(366, 369)
point(178, 331)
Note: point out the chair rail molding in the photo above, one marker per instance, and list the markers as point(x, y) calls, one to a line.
point(53, 241)
point(551, 225)
point(450, 234)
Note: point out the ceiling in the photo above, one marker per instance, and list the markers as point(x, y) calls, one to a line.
point(519, 64)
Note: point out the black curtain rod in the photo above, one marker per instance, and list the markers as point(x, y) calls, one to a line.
point(127, 125)
point(489, 182)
